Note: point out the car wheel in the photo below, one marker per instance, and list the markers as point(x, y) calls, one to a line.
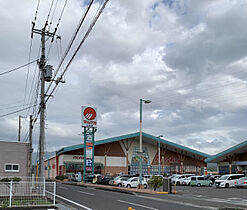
point(119, 185)
point(178, 183)
point(238, 187)
point(210, 184)
point(198, 185)
point(226, 185)
point(189, 184)
point(128, 186)
point(145, 186)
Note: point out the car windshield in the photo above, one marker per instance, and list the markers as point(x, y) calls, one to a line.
point(117, 178)
point(124, 178)
point(243, 178)
point(223, 177)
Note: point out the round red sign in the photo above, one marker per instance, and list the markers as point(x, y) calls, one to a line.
point(89, 113)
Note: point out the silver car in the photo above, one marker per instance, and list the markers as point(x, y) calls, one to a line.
point(241, 183)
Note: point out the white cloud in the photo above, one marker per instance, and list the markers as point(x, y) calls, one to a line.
point(188, 57)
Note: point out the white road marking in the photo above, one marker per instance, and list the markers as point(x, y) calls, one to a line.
point(91, 188)
point(72, 202)
point(177, 202)
point(86, 193)
point(198, 196)
point(65, 188)
point(136, 204)
point(234, 198)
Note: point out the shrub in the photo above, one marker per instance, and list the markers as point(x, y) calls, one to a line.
point(155, 182)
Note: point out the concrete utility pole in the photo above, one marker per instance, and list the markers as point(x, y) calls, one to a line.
point(30, 145)
point(42, 105)
point(42, 68)
point(19, 129)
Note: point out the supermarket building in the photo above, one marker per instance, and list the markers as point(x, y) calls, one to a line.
point(119, 155)
point(232, 160)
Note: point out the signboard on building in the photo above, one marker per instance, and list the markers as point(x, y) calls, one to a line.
point(89, 162)
point(88, 117)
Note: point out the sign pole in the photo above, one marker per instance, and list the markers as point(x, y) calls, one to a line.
point(85, 156)
point(93, 153)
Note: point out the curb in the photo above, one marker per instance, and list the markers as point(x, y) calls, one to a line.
point(114, 189)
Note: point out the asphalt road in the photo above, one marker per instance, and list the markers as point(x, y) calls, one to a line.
point(91, 198)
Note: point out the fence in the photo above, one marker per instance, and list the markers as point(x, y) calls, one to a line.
point(23, 194)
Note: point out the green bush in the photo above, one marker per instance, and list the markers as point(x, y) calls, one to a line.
point(14, 179)
point(155, 182)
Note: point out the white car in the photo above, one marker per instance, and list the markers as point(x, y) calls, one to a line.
point(119, 182)
point(134, 182)
point(178, 179)
point(186, 181)
point(227, 180)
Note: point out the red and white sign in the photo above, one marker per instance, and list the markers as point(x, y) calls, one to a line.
point(89, 117)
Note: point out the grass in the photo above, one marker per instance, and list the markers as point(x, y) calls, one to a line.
point(25, 201)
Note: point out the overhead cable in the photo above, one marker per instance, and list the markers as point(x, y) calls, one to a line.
point(20, 110)
point(79, 46)
point(6, 72)
point(71, 41)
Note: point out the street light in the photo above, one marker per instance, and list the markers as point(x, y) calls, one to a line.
point(140, 152)
point(159, 151)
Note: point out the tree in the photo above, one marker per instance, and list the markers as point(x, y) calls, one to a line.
point(155, 182)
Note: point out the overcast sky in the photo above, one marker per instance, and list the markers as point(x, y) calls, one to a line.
point(188, 57)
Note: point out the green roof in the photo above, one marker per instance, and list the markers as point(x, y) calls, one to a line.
point(119, 138)
point(232, 149)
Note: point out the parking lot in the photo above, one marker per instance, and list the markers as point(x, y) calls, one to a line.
point(229, 195)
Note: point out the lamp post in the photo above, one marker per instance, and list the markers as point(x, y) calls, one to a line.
point(159, 153)
point(140, 152)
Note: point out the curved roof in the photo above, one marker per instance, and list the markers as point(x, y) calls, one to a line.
point(132, 135)
point(239, 148)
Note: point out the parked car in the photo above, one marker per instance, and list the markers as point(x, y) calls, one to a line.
point(114, 178)
point(214, 177)
point(178, 179)
point(200, 181)
point(186, 181)
point(106, 179)
point(147, 177)
point(227, 180)
point(119, 182)
point(134, 182)
point(241, 183)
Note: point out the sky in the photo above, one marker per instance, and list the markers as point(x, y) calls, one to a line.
point(187, 56)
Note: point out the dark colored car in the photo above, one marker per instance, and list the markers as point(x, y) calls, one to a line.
point(106, 179)
point(89, 178)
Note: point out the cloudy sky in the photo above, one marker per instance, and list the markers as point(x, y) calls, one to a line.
point(187, 56)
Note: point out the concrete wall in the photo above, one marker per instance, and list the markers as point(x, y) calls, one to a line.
point(14, 153)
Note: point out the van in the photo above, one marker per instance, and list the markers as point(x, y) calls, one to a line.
point(227, 180)
point(200, 181)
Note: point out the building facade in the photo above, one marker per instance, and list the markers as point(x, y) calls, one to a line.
point(120, 155)
point(14, 159)
point(232, 160)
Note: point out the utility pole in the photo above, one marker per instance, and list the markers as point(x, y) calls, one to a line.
point(19, 129)
point(42, 105)
point(30, 145)
point(42, 67)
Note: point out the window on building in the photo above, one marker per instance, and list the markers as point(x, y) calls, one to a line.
point(9, 167)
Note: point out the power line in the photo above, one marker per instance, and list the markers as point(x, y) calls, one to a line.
point(79, 46)
point(20, 110)
point(6, 72)
point(71, 41)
